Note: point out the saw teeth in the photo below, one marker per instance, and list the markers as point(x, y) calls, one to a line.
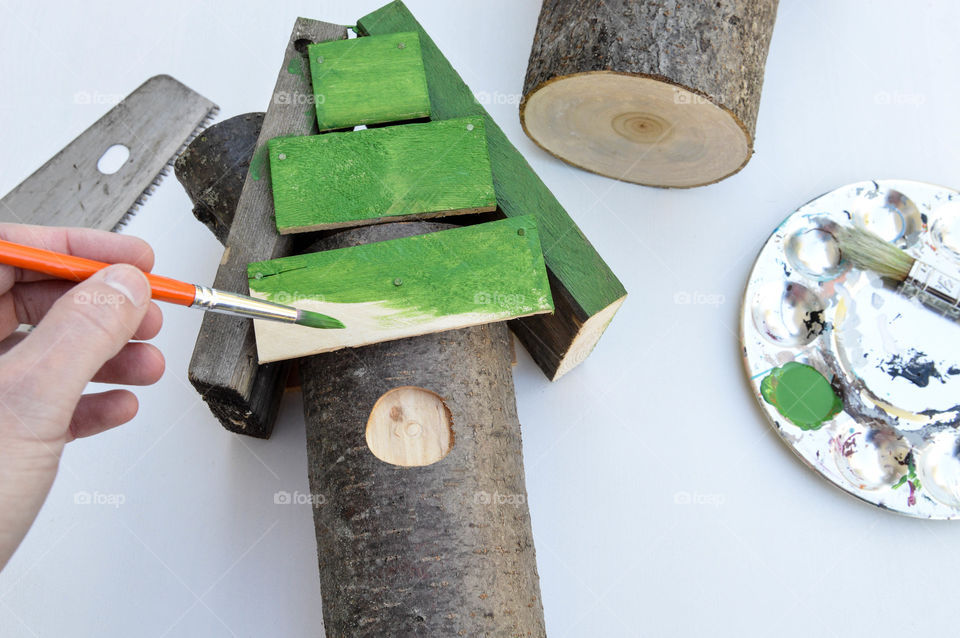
point(148, 191)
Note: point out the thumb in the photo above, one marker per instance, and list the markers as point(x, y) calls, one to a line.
point(81, 331)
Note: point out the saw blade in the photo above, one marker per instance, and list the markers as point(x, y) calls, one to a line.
point(155, 123)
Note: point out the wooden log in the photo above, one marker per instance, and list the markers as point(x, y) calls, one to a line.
point(391, 173)
point(243, 395)
point(213, 168)
point(369, 81)
point(404, 287)
point(588, 294)
point(661, 93)
point(439, 549)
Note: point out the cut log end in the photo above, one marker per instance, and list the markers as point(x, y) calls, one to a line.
point(587, 338)
point(636, 128)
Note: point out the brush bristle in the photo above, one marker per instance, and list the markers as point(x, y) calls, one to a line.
point(317, 320)
point(866, 251)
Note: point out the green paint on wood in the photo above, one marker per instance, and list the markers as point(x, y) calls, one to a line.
point(295, 67)
point(572, 260)
point(368, 80)
point(413, 170)
point(258, 163)
point(489, 269)
point(801, 394)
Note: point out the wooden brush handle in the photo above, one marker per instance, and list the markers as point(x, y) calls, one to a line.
point(74, 268)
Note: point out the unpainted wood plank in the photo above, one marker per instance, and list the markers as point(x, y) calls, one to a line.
point(590, 290)
point(385, 174)
point(369, 81)
point(243, 395)
point(404, 287)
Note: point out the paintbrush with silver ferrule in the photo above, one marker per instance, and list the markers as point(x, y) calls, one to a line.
point(916, 279)
point(74, 268)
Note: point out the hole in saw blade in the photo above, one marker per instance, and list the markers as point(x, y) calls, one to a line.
point(113, 159)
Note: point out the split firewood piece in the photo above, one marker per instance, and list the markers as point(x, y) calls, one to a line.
point(368, 81)
point(404, 287)
point(662, 94)
point(385, 174)
point(586, 292)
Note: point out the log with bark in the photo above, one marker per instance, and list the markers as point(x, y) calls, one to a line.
point(213, 168)
point(656, 92)
point(416, 469)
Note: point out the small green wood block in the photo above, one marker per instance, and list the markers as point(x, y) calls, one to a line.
point(368, 80)
point(383, 174)
point(404, 287)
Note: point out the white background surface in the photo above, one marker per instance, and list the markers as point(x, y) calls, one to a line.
point(660, 411)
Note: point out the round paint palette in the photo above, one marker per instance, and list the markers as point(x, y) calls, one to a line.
point(860, 381)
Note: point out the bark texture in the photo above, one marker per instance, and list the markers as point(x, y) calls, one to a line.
point(213, 168)
point(440, 550)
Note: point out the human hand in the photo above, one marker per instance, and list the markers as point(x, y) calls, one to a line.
point(82, 334)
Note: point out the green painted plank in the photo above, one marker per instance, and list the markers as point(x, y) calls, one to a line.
point(368, 81)
point(404, 287)
point(392, 173)
point(584, 275)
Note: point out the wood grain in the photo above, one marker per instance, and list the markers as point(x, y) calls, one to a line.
point(243, 395)
point(385, 174)
point(410, 427)
point(404, 287)
point(557, 342)
point(369, 81)
point(652, 92)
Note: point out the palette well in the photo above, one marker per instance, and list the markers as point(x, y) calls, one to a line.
point(813, 328)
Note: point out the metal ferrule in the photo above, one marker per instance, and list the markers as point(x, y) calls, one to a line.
point(242, 306)
point(934, 289)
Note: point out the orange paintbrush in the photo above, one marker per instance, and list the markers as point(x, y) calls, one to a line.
point(74, 268)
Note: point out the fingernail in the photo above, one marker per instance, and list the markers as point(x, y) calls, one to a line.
point(128, 281)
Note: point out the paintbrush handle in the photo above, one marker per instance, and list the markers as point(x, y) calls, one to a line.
point(933, 288)
point(74, 268)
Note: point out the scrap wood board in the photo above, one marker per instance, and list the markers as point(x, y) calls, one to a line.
point(404, 287)
point(368, 80)
point(586, 292)
point(243, 396)
point(384, 174)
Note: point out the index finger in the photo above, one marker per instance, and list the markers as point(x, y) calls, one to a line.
point(100, 245)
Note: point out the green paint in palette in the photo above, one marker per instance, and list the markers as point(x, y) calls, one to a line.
point(801, 394)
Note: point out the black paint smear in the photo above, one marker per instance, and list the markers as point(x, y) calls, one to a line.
point(918, 369)
point(814, 324)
